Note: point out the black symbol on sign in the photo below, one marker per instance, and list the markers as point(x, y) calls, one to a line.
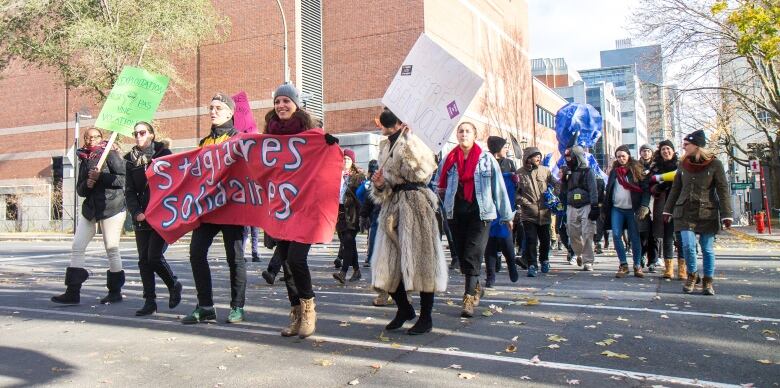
point(406, 70)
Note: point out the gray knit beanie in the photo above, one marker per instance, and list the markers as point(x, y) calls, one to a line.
point(290, 91)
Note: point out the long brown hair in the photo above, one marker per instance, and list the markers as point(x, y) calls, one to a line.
point(637, 171)
point(304, 116)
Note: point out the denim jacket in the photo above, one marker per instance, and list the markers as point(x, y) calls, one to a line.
point(489, 190)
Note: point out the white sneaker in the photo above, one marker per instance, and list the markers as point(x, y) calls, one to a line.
point(572, 261)
point(588, 267)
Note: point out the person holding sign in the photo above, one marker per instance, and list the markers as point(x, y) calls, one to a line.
point(286, 118)
point(149, 243)
point(474, 195)
point(104, 204)
point(221, 112)
point(407, 255)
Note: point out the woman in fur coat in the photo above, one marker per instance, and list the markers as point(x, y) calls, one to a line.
point(407, 254)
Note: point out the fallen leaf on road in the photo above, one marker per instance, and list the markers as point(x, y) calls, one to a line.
point(556, 338)
point(606, 342)
point(222, 367)
point(496, 308)
point(375, 366)
point(487, 313)
point(616, 378)
point(514, 339)
point(323, 362)
point(452, 349)
point(344, 324)
point(450, 303)
point(395, 345)
point(525, 378)
point(768, 332)
point(619, 318)
point(642, 358)
point(553, 346)
point(354, 382)
point(590, 327)
point(664, 316)
point(466, 376)
point(535, 359)
point(516, 323)
point(511, 348)
point(410, 371)
point(383, 338)
point(614, 355)
point(743, 297)
point(638, 337)
point(573, 382)
point(765, 361)
point(745, 326)
point(454, 366)
point(232, 349)
point(532, 302)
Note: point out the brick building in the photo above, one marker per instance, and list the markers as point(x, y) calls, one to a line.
point(342, 54)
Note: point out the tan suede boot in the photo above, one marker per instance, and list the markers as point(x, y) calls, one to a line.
point(690, 283)
point(669, 269)
point(308, 318)
point(638, 272)
point(295, 322)
point(383, 299)
point(682, 269)
point(480, 293)
point(622, 271)
point(707, 288)
point(468, 306)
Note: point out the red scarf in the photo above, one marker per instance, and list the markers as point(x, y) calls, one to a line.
point(293, 126)
point(622, 178)
point(466, 168)
point(695, 167)
point(93, 152)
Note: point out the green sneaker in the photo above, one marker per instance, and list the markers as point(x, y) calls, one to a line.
point(236, 315)
point(200, 314)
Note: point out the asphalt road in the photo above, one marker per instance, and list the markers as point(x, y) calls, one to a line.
point(661, 336)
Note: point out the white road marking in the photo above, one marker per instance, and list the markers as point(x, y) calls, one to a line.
point(595, 307)
point(641, 376)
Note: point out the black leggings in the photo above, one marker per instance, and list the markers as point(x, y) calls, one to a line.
point(470, 234)
point(536, 234)
point(152, 261)
point(348, 250)
point(297, 277)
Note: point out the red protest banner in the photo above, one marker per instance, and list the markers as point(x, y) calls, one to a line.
point(287, 185)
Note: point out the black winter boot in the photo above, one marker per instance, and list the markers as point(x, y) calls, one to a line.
point(74, 277)
point(425, 323)
point(149, 308)
point(405, 310)
point(174, 295)
point(114, 283)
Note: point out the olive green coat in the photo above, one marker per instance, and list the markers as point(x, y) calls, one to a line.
point(699, 200)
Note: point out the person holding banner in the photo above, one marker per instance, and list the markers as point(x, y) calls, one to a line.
point(221, 111)
point(149, 243)
point(286, 118)
point(474, 195)
point(104, 204)
point(408, 255)
point(348, 222)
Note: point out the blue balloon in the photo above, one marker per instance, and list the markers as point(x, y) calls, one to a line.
point(577, 123)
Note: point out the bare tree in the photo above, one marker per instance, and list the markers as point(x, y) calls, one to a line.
point(505, 100)
point(727, 53)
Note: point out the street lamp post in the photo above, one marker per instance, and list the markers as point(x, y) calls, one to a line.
point(284, 44)
point(79, 115)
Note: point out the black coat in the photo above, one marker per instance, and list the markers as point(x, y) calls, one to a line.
point(348, 218)
point(107, 198)
point(637, 199)
point(137, 187)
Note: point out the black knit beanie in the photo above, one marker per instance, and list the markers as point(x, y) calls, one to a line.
point(697, 138)
point(495, 143)
point(623, 148)
point(667, 143)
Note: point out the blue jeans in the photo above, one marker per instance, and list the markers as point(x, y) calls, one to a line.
point(624, 218)
point(372, 236)
point(706, 240)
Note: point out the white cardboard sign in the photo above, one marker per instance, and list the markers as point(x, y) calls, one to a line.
point(431, 92)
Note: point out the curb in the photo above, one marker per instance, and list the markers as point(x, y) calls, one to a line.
point(750, 237)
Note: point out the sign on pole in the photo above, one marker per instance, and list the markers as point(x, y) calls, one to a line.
point(431, 91)
point(755, 165)
point(135, 97)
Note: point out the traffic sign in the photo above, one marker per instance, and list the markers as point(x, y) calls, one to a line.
point(741, 185)
point(755, 166)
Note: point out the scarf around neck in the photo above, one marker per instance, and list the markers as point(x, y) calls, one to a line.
point(622, 178)
point(142, 156)
point(692, 166)
point(466, 168)
point(93, 152)
point(287, 127)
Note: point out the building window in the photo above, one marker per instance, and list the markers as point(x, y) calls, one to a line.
point(627, 114)
point(545, 117)
point(763, 117)
point(311, 57)
point(569, 99)
point(629, 130)
point(11, 207)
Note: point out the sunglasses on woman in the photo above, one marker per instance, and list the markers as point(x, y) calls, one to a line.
point(142, 132)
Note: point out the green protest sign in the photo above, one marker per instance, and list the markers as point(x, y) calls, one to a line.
point(135, 97)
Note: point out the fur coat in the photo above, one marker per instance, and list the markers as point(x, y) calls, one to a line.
point(408, 245)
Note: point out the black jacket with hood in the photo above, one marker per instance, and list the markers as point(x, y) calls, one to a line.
point(578, 188)
point(106, 198)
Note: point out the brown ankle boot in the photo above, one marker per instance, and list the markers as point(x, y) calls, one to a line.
point(622, 271)
point(468, 306)
point(668, 269)
point(690, 283)
point(295, 322)
point(707, 288)
point(682, 269)
point(480, 292)
point(308, 318)
point(638, 272)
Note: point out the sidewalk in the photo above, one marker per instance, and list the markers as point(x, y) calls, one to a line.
point(57, 236)
point(750, 233)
